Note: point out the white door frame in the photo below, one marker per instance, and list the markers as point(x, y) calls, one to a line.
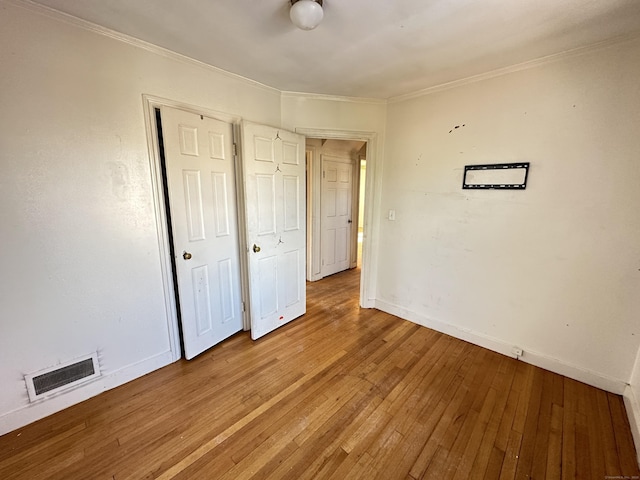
point(313, 213)
point(355, 208)
point(150, 103)
point(367, 275)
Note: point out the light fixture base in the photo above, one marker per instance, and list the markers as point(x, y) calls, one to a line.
point(295, 1)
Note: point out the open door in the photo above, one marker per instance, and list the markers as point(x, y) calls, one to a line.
point(275, 201)
point(336, 214)
point(201, 184)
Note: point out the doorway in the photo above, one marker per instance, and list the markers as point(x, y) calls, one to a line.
point(334, 205)
point(369, 203)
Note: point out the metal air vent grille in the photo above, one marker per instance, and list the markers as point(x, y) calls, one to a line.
point(52, 380)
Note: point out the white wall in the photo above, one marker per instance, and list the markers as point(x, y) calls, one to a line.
point(80, 256)
point(333, 113)
point(553, 269)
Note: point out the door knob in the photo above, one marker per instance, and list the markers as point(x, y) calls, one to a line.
point(349, 221)
point(186, 255)
point(256, 248)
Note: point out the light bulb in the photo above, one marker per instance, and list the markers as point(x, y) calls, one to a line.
point(306, 14)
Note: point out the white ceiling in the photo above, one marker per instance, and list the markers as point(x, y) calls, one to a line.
point(363, 48)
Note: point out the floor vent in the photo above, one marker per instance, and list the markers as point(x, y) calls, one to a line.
point(62, 377)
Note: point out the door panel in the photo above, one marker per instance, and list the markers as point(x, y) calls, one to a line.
point(266, 203)
point(336, 222)
point(291, 185)
point(290, 153)
point(202, 198)
point(275, 197)
point(200, 285)
point(225, 270)
point(193, 205)
point(291, 266)
point(268, 283)
point(221, 203)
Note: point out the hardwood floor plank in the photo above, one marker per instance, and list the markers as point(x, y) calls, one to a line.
point(569, 429)
point(463, 470)
point(612, 463)
point(494, 466)
point(534, 394)
point(524, 401)
point(541, 446)
point(508, 415)
point(553, 470)
point(502, 383)
point(596, 445)
point(583, 463)
point(624, 440)
point(341, 393)
point(511, 456)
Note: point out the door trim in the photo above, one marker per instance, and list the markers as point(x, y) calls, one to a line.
point(371, 204)
point(313, 213)
point(150, 103)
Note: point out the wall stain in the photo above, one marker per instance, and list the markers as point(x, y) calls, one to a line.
point(457, 127)
point(119, 180)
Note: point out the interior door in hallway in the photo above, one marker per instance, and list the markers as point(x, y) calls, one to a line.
point(336, 212)
point(202, 198)
point(275, 200)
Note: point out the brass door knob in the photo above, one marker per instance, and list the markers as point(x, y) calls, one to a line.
point(256, 248)
point(186, 255)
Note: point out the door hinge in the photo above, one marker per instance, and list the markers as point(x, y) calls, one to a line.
point(324, 174)
point(235, 150)
point(244, 308)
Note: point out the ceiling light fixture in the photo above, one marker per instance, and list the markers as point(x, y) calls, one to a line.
point(306, 14)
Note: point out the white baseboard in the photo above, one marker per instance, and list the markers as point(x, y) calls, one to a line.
point(31, 412)
point(610, 384)
point(632, 404)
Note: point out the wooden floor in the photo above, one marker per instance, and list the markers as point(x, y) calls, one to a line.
point(340, 393)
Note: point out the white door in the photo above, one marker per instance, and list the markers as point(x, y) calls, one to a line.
point(275, 185)
point(202, 199)
point(336, 222)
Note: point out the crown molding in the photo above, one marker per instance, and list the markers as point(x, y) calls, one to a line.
point(133, 41)
point(556, 57)
point(333, 98)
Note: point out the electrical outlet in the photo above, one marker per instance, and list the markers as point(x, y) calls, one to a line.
point(517, 351)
